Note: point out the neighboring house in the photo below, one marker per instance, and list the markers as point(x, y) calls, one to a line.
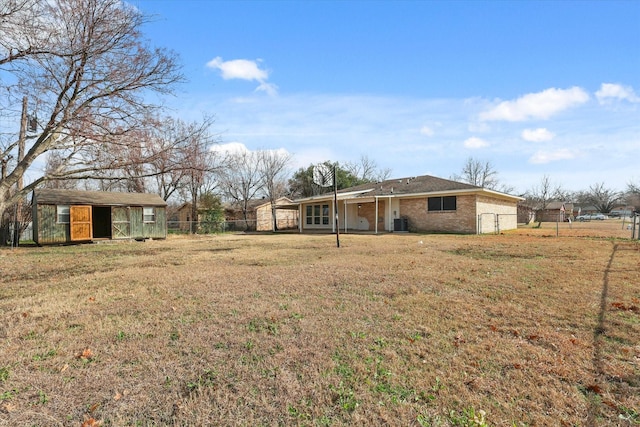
point(183, 213)
point(184, 217)
point(259, 216)
point(286, 215)
point(423, 203)
point(526, 213)
point(69, 216)
point(235, 217)
point(556, 212)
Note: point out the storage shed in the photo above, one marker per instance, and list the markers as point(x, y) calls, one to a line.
point(71, 216)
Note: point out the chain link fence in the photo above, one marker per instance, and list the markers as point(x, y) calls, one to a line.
point(209, 227)
point(624, 227)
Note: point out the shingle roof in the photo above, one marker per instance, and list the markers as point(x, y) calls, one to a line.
point(96, 198)
point(411, 185)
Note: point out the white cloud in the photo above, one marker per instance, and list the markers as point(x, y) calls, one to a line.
point(244, 69)
point(537, 135)
point(426, 131)
point(230, 148)
point(336, 127)
point(475, 142)
point(541, 105)
point(542, 157)
point(611, 91)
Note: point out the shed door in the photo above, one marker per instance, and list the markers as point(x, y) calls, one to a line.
point(80, 218)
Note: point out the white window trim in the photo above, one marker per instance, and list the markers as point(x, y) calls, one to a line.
point(320, 217)
point(63, 211)
point(145, 214)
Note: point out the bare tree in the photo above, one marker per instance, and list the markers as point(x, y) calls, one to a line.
point(23, 32)
point(481, 174)
point(241, 180)
point(541, 195)
point(367, 170)
point(633, 195)
point(87, 68)
point(602, 198)
point(273, 169)
point(162, 154)
point(199, 165)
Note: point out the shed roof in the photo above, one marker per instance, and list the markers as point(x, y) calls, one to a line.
point(95, 198)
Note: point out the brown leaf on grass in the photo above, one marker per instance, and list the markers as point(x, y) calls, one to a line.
point(610, 403)
point(85, 354)
point(7, 407)
point(595, 388)
point(25, 314)
point(459, 339)
point(623, 307)
point(91, 422)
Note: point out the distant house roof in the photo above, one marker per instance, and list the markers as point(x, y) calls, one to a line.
point(412, 186)
point(558, 205)
point(96, 198)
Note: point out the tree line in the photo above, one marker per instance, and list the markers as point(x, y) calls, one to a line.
point(482, 173)
point(83, 91)
point(81, 80)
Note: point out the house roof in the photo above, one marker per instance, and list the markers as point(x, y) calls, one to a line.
point(412, 186)
point(282, 201)
point(558, 205)
point(76, 197)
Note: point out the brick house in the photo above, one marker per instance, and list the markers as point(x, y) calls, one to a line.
point(421, 204)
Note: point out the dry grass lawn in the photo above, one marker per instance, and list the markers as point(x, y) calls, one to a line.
point(519, 329)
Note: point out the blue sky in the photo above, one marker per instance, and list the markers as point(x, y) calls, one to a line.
point(536, 88)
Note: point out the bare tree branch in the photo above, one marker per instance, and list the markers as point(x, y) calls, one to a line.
point(86, 67)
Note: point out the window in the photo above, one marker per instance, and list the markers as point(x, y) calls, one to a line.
point(149, 215)
point(317, 215)
point(447, 203)
point(63, 214)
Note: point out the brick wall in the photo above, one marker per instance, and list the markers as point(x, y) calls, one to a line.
point(462, 220)
point(368, 211)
